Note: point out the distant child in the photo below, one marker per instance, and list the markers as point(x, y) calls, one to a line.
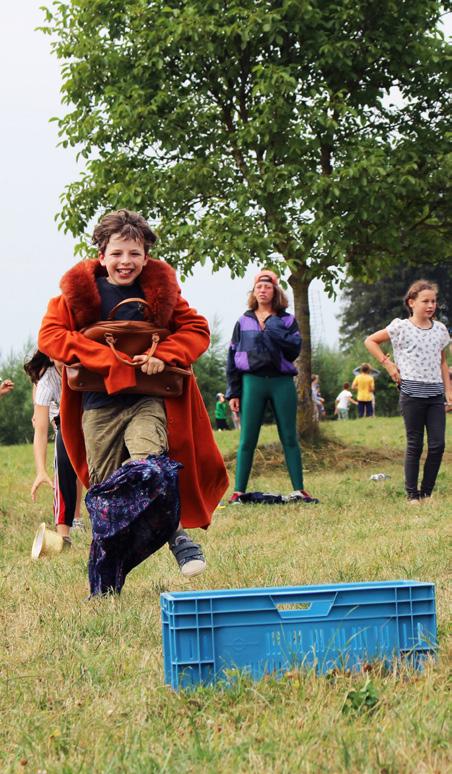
point(221, 407)
point(318, 402)
point(365, 386)
point(67, 490)
point(420, 369)
point(105, 429)
point(343, 401)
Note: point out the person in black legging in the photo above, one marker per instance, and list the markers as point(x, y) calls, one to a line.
point(419, 343)
point(265, 342)
point(67, 490)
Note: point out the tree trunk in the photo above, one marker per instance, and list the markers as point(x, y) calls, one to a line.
point(308, 427)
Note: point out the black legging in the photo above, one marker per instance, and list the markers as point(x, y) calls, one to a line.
point(421, 414)
point(65, 482)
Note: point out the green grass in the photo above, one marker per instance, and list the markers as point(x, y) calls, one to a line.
point(81, 682)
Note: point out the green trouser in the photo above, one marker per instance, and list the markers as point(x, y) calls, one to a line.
point(281, 392)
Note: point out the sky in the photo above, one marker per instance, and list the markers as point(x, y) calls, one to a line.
point(33, 174)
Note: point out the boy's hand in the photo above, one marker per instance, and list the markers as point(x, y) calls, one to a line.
point(234, 404)
point(41, 478)
point(149, 365)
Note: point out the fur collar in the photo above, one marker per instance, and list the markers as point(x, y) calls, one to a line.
point(158, 282)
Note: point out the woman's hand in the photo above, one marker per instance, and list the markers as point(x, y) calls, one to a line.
point(234, 404)
point(41, 478)
point(149, 365)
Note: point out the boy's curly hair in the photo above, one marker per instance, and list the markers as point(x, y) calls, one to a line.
point(129, 224)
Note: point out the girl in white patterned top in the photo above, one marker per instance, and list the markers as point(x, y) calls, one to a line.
point(420, 370)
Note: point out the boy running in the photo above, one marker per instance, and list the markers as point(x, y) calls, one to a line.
point(101, 430)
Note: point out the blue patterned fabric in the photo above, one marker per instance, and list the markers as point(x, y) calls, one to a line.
point(133, 513)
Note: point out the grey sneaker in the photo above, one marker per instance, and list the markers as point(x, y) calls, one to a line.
point(303, 496)
point(79, 524)
point(188, 555)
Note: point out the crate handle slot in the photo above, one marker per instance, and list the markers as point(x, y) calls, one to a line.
point(316, 608)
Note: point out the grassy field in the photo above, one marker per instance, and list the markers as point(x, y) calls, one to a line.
point(81, 682)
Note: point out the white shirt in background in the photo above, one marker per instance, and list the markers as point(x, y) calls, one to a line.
point(343, 399)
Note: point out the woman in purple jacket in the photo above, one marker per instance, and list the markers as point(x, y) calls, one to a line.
point(265, 342)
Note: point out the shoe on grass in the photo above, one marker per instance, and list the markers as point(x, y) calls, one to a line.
point(188, 555)
point(304, 496)
point(235, 498)
point(79, 524)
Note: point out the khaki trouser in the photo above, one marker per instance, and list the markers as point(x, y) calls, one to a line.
point(114, 435)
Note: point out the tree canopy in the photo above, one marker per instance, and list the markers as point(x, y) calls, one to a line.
point(261, 130)
point(218, 119)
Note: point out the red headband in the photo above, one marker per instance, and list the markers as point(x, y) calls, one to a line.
point(266, 276)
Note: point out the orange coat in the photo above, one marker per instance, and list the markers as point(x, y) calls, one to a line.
point(203, 479)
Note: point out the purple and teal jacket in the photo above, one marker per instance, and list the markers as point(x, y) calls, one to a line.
point(267, 352)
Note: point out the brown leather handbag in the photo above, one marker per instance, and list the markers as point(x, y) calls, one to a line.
point(131, 337)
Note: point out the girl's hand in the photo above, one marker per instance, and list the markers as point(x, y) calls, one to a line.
point(393, 371)
point(41, 478)
point(6, 386)
point(234, 404)
point(149, 365)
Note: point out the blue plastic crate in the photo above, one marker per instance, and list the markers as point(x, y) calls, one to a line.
point(270, 630)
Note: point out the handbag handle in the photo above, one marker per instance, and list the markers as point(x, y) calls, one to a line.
point(111, 341)
point(168, 368)
point(111, 316)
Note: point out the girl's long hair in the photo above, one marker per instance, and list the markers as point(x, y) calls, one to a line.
point(280, 302)
point(36, 366)
point(416, 288)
